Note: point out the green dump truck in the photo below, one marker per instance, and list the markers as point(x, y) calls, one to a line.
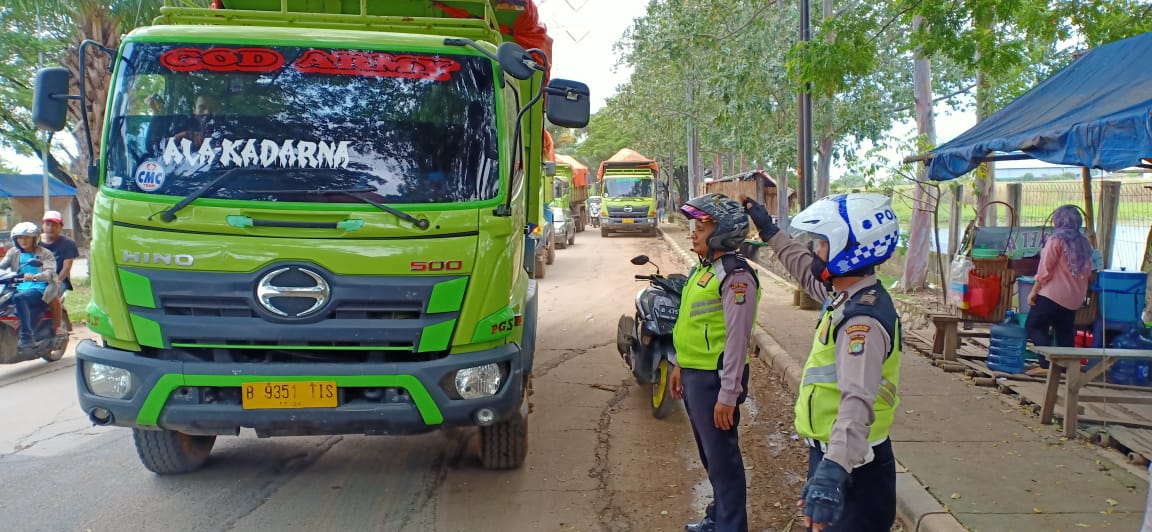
point(628, 193)
point(312, 218)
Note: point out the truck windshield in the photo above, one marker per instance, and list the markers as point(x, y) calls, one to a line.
point(627, 187)
point(408, 127)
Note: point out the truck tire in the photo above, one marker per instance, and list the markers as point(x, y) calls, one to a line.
point(551, 252)
point(167, 452)
point(572, 239)
point(604, 231)
point(563, 243)
point(538, 270)
point(505, 444)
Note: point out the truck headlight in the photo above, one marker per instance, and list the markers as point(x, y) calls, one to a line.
point(480, 381)
point(109, 381)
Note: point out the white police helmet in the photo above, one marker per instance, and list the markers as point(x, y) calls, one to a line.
point(861, 229)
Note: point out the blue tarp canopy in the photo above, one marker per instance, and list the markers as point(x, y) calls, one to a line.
point(31, 186)
point(1095, 112)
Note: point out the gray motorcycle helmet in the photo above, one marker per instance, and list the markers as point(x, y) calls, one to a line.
point(732, 222)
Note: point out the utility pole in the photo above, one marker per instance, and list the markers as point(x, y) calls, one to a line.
point(804, 168)
point(693, 161)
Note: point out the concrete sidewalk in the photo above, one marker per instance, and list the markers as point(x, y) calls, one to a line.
point(968, 457)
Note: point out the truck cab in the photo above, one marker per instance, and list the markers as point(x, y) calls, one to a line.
point(628, 194)
point(316, 222)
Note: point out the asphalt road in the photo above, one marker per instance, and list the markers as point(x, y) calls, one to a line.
point(597, 459)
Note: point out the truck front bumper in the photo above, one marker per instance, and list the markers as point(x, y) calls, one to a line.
point(373, 398)
point(637, 224)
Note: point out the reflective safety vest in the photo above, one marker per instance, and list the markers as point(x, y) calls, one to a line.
point(700, 331)
point(818, 403)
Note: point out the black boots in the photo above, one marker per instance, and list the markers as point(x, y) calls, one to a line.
point(705, 525)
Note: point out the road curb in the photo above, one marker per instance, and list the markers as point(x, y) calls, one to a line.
point(915, 506)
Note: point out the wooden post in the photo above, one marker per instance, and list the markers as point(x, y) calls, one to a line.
point(1090, 223)
point(1109, 212)
point(954, 222)
point(1015, 197)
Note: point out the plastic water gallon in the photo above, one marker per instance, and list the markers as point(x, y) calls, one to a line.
point(1006, 346)
point(1130, 372)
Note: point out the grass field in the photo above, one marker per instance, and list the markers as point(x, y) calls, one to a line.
point(77, 302)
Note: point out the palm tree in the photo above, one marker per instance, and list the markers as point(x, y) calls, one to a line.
point(103, 22)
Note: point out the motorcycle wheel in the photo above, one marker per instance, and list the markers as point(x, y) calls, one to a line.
point(58, 349)
point(662, 401)
point(624, 327)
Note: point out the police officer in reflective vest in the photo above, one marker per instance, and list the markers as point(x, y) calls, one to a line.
point(848, 393)
point(717, 310)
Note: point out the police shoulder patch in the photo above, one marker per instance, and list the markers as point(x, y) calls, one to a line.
point(705, 278)
point(738, 296)
point(869, 298)
point(855, 344)
point(857, 328)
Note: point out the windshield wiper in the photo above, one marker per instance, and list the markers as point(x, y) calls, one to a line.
point(170, 214)
point(420, 223)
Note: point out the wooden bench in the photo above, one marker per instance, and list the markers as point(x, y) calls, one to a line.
point(946, 339)
point(1066, 361)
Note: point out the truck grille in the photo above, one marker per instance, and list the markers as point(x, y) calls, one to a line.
point(361, 314)
point(627, 211)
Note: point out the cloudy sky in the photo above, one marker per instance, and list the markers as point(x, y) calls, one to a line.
point(583, 33)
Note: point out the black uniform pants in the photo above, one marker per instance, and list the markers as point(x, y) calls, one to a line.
point(719, 449)
point(1050, 324)
point(870, 493)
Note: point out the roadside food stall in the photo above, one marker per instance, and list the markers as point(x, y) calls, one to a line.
point(1094, 113)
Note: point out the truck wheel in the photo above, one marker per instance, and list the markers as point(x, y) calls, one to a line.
point(551, 253)
point(604, 231)
point(662, 401)
point(505, 444)
point(572, 239)
point(167, 452)
point(563, 243)
point(538, 271)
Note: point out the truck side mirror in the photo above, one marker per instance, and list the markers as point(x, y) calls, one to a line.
point(568, 104)
point(517, 62)
point(50, 99)
point(549, 168)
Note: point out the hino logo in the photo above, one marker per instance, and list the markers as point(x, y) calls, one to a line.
point(166, 259)
point(309, 286)
point(628, 208)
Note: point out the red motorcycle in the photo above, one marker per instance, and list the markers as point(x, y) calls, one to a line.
point(45, 344)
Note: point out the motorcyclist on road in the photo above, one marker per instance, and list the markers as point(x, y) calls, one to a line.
point(38, 286)
point(848, 392)
point(711, 336)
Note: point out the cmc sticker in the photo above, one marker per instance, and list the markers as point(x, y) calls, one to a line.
point(149, 176)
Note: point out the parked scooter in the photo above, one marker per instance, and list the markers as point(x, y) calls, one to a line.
point(645, 339)
point(45, 344)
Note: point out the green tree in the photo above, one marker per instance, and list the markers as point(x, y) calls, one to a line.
point(62, 26)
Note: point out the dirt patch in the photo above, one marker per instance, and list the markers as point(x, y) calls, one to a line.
point(777, 462)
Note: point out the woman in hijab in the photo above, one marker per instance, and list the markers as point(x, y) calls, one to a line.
point(1061, 284)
